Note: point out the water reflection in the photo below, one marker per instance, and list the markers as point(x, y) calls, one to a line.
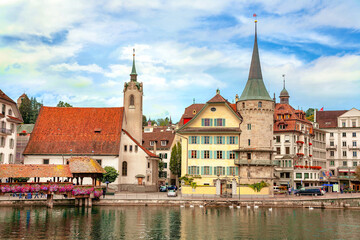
point(140, 222)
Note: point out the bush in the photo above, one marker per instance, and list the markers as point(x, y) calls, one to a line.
point(258, 186)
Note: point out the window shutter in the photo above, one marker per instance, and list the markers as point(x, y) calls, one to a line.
point(197, 171)
point(228, 171)
point(237, 171)
point(215, 170)
point(202, 139)
point(189, 168)
point(197, 154)
point(210, 154)
point(202, 170)
point(224, 122)
point(227, 154)
point(211, 122)
point(215, 122)
point(223, 154)
point(227, 140)
point(223, 140)
point(223, 170)
point(189, 154)
point(202, 154)
point(197, 139)
point(210, 170)
point(210, 139)
point(236, 140)
point(202, 122)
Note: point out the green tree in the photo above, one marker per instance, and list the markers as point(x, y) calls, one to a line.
point(35, 109)
point(144, 122)
point(63, 104)
point(162, 121)
point(110, 175)
point(310, 118)
point(175, 161)
point(25, 109)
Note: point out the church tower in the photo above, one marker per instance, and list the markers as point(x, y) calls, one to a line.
point(284, 94)
point(133, 96)
point(256, 108)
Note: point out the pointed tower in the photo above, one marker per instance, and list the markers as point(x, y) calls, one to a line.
point(284, 95)
point(133, 94)
point(257, 108)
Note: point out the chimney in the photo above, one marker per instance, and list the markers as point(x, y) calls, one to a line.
point(155, 142)
point(236, 97)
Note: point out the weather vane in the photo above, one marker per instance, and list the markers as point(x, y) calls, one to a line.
point(255, 16)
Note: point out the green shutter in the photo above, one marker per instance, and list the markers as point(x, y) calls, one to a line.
point(236, 140)
point(227, 154)
point(202, 122)
point(189, 154)
point(197, 139)
point(223, 140)
point(197, 171)
point(223, 169)
point(215, 170)
point(202, 170)
point(224, 122)
point(210, 154)
point(189, 168)
point(215, 122)
point(227, 140)
point(215, 156)
point(202, 139)
point(197, 154)
point(228, 171)
point(211, 122)
point(210, 139)
point(237, 171)
point(210, 170)
point(223, 154)
point(202, 154)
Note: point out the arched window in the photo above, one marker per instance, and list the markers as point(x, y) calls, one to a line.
point(124, 168)
point(132, 100)
point(259, 104)
point(243, 105)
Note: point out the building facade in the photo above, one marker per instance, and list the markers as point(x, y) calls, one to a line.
point(23, 136)
point(10, 119)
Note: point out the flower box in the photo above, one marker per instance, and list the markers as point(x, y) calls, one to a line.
point(310, 143)
point(310, 155)
point(300, 142)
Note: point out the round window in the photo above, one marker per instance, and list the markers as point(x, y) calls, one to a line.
point(213, 109)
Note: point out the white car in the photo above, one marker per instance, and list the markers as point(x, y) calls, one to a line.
point(172, 193)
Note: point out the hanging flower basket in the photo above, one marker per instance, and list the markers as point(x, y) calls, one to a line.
point(310, 143)
point(300, 142)
point(300, 154)
point(310, 155)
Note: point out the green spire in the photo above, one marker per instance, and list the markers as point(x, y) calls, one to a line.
point(255, 88)
point(133, 74)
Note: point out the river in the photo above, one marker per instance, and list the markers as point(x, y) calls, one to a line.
point(163, 222)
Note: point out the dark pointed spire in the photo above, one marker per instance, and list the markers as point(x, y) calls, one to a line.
point(284, 94)
point(255, 88)
point(133, 74)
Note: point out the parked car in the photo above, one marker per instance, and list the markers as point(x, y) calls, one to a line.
point(172, 193)
point(172, 187)
point(276, 188)
point(309, 191)
point(163, 188)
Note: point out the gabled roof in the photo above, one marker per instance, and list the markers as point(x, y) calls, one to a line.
point(328, 119)
point(34, 170)
point(67, 131)
point(28, 128)
point(290, 122)
point(158, 134)
point(85, 165)
point(191, 111)
point(142, 147)
point(5, 97)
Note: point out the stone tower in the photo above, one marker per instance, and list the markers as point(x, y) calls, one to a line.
point(284, 95)
point(257, 109)
point(133, 95)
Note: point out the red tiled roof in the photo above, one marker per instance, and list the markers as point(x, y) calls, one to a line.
point(34, 170)
point(217, 98)
point(5, 97)
point(158, 135)
point(294, 117)
point(60, 130)
point(137, 143)
point(189, 112)
point(85, 165)
point(328, 119)
point(15, 119)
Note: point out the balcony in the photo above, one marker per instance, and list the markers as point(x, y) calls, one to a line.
point(346, 177)
point(353, 147)
point(331, 147)
point(4, 131)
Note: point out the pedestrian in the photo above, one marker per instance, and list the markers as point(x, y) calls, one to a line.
point(104, 192)
point(289, 190)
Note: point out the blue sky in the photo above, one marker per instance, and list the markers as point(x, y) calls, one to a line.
point(80, 51)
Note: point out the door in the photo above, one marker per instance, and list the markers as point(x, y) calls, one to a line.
point(140, 180)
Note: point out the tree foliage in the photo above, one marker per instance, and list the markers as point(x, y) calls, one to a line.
point(110, 175)
point(63, 104)
point(357, 172)
point(258, 186)
point(30, 109)
point(309, 112)
point(175, 161)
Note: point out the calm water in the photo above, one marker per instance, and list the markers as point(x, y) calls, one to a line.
point(177, 223)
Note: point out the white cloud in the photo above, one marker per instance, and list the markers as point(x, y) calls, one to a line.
point(93, 68)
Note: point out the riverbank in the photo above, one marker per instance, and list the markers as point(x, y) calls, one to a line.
point(329, 201)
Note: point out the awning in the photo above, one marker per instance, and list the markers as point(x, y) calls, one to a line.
point(140, 176)
point(346, 170)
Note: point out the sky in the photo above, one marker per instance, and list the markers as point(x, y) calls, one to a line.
point(80, 52)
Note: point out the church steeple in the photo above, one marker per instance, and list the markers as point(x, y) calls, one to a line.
point(133, 74)
point(284, 95)
point(255, 88)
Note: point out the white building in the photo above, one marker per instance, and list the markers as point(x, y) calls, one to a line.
point(10, 118)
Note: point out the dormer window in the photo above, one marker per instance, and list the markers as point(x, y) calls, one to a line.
point(97, 130)
point(163, 142)
point(194, 112)
point(152, 143)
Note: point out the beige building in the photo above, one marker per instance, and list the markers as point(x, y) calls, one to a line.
point(10, 119)
point(112, 136)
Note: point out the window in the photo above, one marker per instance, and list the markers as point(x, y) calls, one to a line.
point(11, 158)
point(213, 109)
point(353, 124)
point(194, 154)
point(249, 142)
point(231, 155)
point(206, 170)
point(46, 161)
point(125, 148)
point(277, 139)
point(287, 150)
point(193, 140)
point(249, 126)
point(344, 124)
point(1, 157)
point(243, 105)
point(165, 155)
point(165, 165)
point(132, 100)
point(219, 170)
point(219, 140)
point(130, 148)
point(278, 150)
point(344, 163)
point(354, 154)
point(11, 143)
point(194, 170)
point(148, 178)
point(163, 142)
point(287, 138)
point(332, 163)
point(3, 109)
point(207, 122)
point(344, 134)
point(282, 126)
point(354, 134)
point(298, 175)
point(306, 175)
point(206, 140)
point(232, 140)
point(160, 155)
point(99, 161)
point(232, 171)
point(219, 122)
point(354, 164)
point(148, 164)
point(249, 156)
point(12, 127)
point(219, 154)
point(331, 134)
point(136, 148)
point(344, 153)
point(332, 153)
point(152, 143)
point(354, 143)
point(206, 154)
point(259, 104)
point(2, 142)
point(344, 143)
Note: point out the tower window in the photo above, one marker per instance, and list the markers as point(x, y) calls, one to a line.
point(132, 100)
point(124, 168)
point(243, 105)
point(259, 104)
